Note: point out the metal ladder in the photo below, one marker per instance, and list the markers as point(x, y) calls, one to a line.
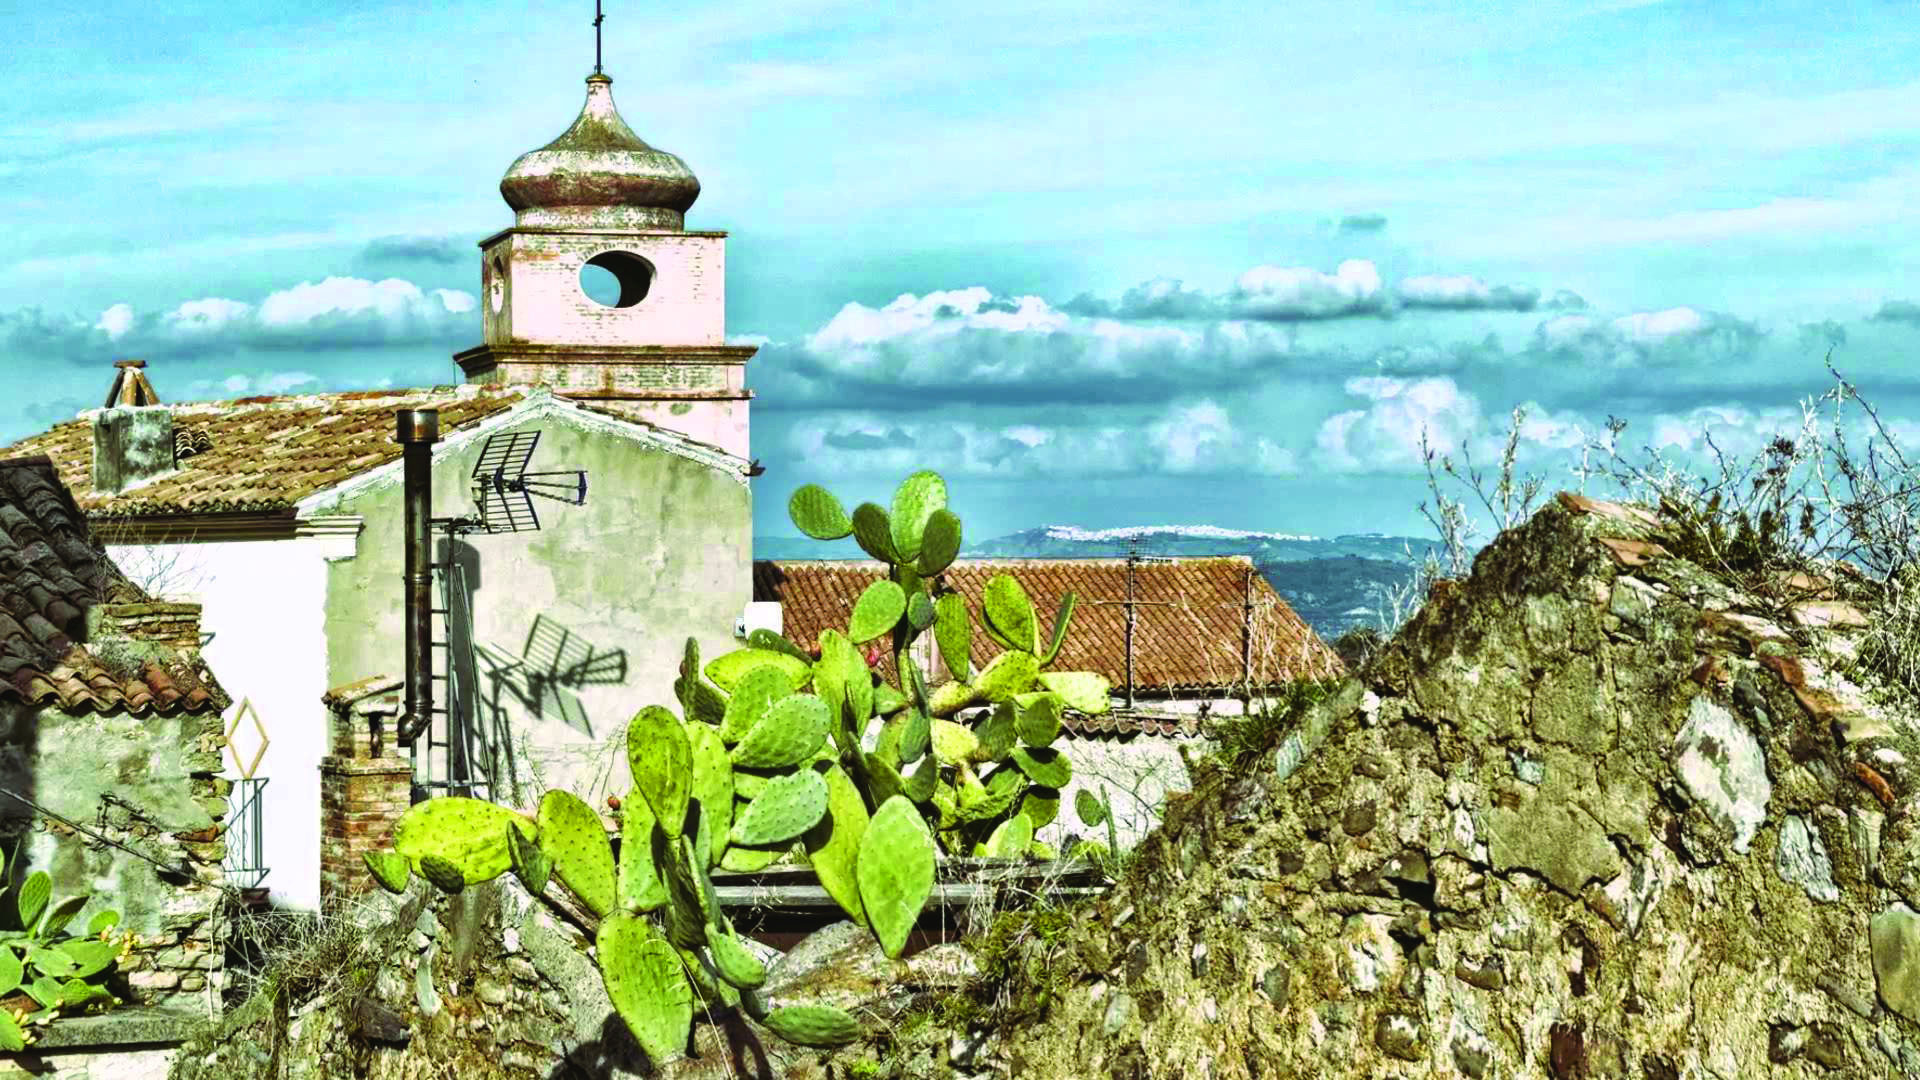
point(450, 744)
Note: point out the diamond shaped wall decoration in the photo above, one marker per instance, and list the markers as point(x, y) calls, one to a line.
point(235, 736)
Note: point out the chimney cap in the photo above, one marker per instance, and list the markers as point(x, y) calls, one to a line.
point(416, 425)
point(130, 386)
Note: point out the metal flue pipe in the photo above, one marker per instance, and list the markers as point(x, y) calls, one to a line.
point(416, 430)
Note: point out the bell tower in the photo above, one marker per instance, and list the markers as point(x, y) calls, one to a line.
point(598, 196)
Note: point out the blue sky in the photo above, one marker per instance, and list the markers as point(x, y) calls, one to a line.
point(1125, 264)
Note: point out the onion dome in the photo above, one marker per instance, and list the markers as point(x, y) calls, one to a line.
point(600, 174)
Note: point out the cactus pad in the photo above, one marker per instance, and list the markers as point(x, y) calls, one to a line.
point(817, 513)
point(916, 735)
point(60, 915)
point(1039, 717)
point(752, 695)
point(1009, 613)
point(573, 837)
point(740, 859)
point(789, 806)
point(773, 641)
point(833, 845)
point(646, 984)
point(877, 611)
point(919, 610)
point(952, 743)
point(995, 733)
point(1010, 673)
point(1084, 691)
point(637, 878)
point(728, 669)
point(939, 542)
point(90, 957)
point(953, 632)
point(733, 961)
point(1040, 805)
point(983, 802)
point(11, 971)
point(914, 501)
point(920, 786)
point(712, 787)
point(530, 864)
point(887, 700)
point(883, 779)
point(1043, 765)
point(661, 758)
point(820, 1027)
point(466, 832)
point(443, 874)
point(391, 869)
point(949, 698)
point(873, 533)
point(102, 920)
point(788, 734)
point(895, 870)
point(1088, 807)
point(1011, 838)
point(830, 674)
point(1062, 618)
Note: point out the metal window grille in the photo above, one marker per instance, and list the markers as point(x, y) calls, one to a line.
point(246, 863)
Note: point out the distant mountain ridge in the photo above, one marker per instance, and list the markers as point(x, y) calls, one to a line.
point(1335, 583)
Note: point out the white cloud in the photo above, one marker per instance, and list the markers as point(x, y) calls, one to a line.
point(1464, 292)
point(1192, 439)
point(116, 321)
point(1657, 326)
point(1385, 436)
point(969, 344)
point(334, 313)
point(1299, 292)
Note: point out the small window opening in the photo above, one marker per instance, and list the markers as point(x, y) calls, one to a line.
point(616, 279)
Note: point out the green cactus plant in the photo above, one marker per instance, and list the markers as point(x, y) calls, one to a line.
point(660, 757)
point(817, 513)
point(833, 844)
point(877, 610)
point(915, 501)
point(575, 841)
point(821, 1027)
point(646, 982)
point(391, 869)
point(468, 834)
point(790, 805)
point(895, 869)
point(787, 734)
point(443, 874)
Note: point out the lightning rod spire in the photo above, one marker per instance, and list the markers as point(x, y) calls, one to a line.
point(598, 18)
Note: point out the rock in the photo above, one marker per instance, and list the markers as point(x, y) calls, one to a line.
point(1801, 859)
point(1724, 770)
point(1399, 1035)
point(1894, 935)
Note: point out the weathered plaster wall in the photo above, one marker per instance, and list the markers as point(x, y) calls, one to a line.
point(660, 551)
point(543, 303)
point(1136, 772)
point(264, 602)
point(146, 782)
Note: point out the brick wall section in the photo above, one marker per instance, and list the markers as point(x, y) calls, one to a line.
point(364, 785)
point(177, 625)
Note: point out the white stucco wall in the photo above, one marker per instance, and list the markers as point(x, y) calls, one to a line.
point(264, 602)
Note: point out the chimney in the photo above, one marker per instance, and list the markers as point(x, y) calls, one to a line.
point(416, 430)
point(132, 435)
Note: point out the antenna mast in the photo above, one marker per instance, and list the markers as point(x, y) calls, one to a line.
point(598, 18)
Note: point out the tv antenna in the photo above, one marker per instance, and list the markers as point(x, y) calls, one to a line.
point(598, 18)
point(503, 488)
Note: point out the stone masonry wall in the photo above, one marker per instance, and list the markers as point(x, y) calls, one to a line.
point(148, 783)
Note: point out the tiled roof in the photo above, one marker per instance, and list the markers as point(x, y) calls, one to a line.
point(263, 453)
point(51, 572)
point(1188, 624)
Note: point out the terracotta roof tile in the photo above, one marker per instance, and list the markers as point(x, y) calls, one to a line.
point(264, 454)
point(50, 574)
point(1188, 628)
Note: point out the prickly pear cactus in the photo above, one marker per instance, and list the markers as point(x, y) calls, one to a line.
point(820, 1026)
point(468, 834)
point(573, 837)
point(895, 870)
point(646, 983)
point(833, 845)
point(787, 734)
point(443, 873)
point(391, 869)
point(789, 806)
point(661, 760)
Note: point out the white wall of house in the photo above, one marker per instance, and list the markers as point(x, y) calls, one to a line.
point(264, 603)
point(1135, 772)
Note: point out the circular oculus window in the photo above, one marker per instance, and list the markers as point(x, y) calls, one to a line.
point(616, 279)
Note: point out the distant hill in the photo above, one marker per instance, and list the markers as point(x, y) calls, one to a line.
point(1333, 582)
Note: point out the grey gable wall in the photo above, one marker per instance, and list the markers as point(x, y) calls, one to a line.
point(661, 550)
